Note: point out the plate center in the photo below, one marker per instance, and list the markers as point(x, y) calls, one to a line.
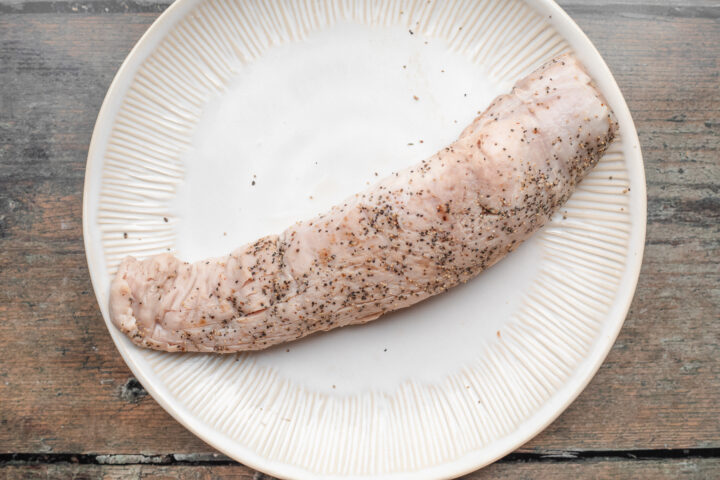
point(313, 122)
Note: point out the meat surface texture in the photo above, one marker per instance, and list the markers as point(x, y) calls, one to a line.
point(414, 234)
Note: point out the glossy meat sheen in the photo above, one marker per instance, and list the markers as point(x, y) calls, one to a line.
point(415, 234)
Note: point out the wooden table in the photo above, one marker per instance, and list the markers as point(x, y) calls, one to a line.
point(69, 405)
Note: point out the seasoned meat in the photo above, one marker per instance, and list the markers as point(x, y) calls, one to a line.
point(415, 234)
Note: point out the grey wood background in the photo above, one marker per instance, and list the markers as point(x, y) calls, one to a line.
point(69, 407)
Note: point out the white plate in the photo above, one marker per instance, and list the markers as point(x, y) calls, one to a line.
point(308, 99)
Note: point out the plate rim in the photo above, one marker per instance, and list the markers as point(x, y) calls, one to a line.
point(474, 459)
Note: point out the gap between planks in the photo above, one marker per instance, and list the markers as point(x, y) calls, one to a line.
point(209, 459)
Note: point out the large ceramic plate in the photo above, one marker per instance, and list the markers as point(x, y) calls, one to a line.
point(231, 119)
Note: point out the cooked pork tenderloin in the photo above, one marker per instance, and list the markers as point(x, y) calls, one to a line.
point(415, 234)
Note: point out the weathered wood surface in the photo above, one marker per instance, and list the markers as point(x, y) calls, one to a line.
point(696, 469)
point(65, 389)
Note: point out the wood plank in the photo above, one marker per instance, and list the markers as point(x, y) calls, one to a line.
point(643, 8)
point(64, 388)
point(651, 388)
point(63, 385)
point(695, 469)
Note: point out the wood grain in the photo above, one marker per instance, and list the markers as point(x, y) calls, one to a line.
point(64, 387)
point(696, 469)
